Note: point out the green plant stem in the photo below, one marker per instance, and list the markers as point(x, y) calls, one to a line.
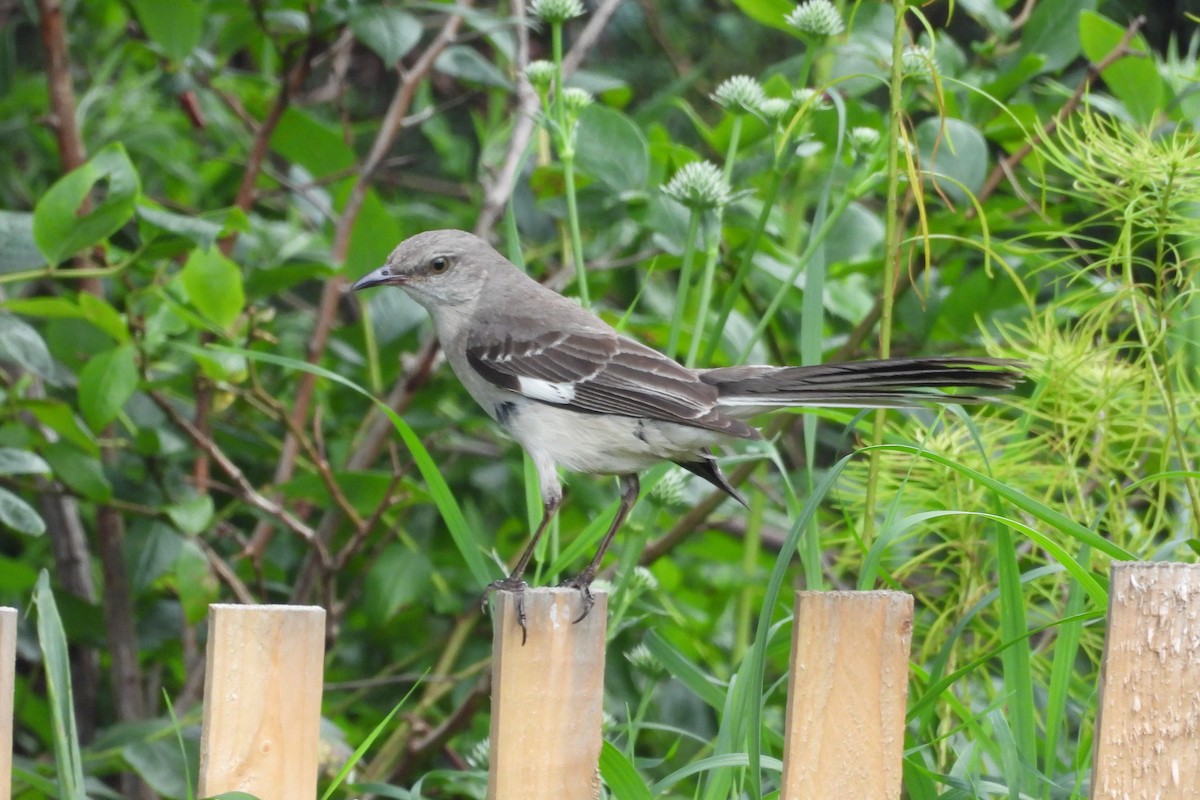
point(891, 254)
point(712, 249)
point(565, 135)
point(748, 597)
point(743, 270)
point(843, 202)
point(685, 280)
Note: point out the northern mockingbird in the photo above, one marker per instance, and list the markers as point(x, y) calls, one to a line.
point(577, 394)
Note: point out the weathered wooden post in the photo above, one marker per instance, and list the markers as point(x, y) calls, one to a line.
point(847, 692)
point(262, 701)
point(8, 673)
point(1148, 724)
point(547, 697)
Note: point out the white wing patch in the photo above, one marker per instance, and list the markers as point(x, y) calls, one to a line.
point(547, 392)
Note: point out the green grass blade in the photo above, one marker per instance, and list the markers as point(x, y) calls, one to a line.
point(679, 667)
point(722, 762)
point(1015, 663)
point(183, 756)
point(375, 733)
point(1062, 667)
point(620, 776)
point(1055, 519)
point(68, 761)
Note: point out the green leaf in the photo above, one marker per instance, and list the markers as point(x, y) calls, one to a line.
point(389, 31)
point(375, 234)
point(17, 578)
point(15, 513)
point(619, 775)
point(23, 345)
point(203, 232)
point(768, 12)
point(951, 148)
point(314, 144)
point(159, 762)
point(214, 286)
point(611, 149)
point(1133, 79)
point(61, 418)
point(21, 462)
point(104, 316)
point(1053, 33)
point(175, 27)
point(397, 578)
point(685, 671)
point(192, 515)
point(18, 250)
point(466, 64)
point(105, 384)
point(60, 226)
point(68, 760)
point(81, 471)
point(194, 582)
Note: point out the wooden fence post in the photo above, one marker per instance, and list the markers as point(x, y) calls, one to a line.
point(844, 735)
point(1147, 742)
point(8, 672)
point(262, 701)
point(547, 697)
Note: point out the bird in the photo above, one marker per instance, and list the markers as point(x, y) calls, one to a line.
point(575, 393)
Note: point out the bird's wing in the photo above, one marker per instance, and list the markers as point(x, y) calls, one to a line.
point(600, 372)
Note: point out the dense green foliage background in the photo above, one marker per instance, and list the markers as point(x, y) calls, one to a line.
point(186, 410)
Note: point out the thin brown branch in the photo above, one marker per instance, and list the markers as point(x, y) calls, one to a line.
point(118, 604)
point(389, 129)
point(498, 189)
point(226, 574)
point(589, 35)
point(1121, 50)
point(243, 488)
point(202, 389)
point(419, 747)
point(261, 143)
point(378, 435)
point(62, 94)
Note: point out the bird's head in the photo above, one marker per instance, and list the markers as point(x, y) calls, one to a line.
point(441, 270)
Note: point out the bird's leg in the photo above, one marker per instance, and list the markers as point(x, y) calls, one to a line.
point(629, 496)
point(515, 581)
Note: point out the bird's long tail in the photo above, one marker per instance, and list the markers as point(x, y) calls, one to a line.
point(889, 383)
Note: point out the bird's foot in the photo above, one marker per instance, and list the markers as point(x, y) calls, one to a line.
point(517, 587)
point(582, 582)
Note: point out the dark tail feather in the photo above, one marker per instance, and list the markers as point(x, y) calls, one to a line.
point(708, 469)
point(888, 383)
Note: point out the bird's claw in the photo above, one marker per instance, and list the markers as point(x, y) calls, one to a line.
point(582, 583)
point(517, 587)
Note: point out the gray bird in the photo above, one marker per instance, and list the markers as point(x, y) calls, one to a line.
point(577, 394)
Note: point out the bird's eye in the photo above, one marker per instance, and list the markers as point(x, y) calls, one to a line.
point(439, 264)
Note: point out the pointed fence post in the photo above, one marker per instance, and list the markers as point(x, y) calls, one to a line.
point(1147, 742)
point(844, 735)
point(262, 701)
point(547, 697)
point(8, 672)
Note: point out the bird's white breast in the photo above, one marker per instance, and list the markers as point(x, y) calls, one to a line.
point(604, 443)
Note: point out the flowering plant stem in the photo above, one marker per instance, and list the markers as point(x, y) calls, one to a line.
point(891, 253)
point(565, 135)
point(712, 248)
point(778, 169)
point(685, 280)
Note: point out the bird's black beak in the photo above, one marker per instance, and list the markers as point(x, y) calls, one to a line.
point(380, 277)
